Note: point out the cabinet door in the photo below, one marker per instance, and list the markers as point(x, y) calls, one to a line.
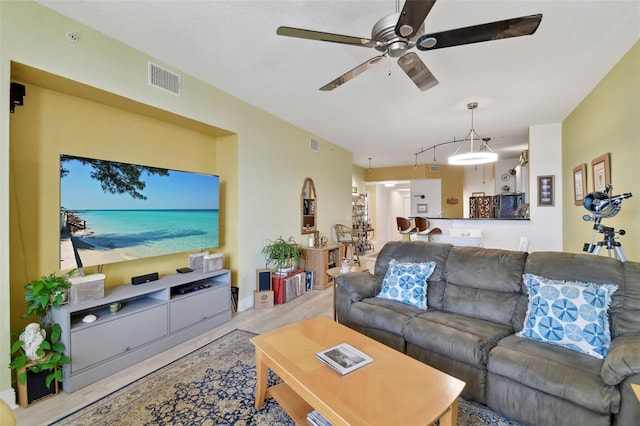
point(95, 344)
point(198, 306)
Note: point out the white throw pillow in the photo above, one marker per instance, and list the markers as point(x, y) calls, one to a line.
point(407, 282)
point(571, 314)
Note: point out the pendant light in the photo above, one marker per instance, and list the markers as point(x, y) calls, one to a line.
point(482, 155)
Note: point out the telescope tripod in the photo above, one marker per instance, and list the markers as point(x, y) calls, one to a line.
point(608, 241)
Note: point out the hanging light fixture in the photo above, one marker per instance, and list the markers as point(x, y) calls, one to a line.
point(482, 155)
point(370, 169)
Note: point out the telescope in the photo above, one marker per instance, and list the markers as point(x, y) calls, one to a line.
point(601, 204)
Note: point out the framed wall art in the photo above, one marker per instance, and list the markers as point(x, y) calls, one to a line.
point(601, 172)
point(422, 208)
point(545, 190)
point(579, 183)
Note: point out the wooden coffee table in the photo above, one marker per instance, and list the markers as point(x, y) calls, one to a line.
point(393, 390)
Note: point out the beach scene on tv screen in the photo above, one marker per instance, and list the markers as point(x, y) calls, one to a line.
point(114, 212)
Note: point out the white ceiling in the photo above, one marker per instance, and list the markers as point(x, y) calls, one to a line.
point(380, 114)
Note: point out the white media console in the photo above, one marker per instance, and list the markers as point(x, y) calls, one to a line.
point(153, 317)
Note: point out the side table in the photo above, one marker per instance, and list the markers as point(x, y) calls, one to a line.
point(337, 271)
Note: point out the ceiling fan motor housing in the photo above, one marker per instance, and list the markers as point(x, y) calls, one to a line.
point(385, 31)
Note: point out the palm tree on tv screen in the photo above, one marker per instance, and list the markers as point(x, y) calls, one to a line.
point(114, 177)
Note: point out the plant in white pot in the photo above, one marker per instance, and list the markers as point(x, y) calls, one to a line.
point(282, 254)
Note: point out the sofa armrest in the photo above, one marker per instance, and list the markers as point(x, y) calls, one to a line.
point(360, 285)
point(623, 359)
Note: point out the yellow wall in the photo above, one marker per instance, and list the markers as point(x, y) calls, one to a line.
point(452, 181)
point(75, 126)
point(262, 159)
point(606, 121)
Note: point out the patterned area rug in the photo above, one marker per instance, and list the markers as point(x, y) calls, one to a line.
point(213, 385)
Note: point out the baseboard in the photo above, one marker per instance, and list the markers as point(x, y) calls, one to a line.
point(246, 303)
point(9, 396)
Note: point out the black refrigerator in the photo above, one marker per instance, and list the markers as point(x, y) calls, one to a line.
point(508, 205)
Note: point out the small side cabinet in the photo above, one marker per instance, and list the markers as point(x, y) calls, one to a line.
point(320, 260)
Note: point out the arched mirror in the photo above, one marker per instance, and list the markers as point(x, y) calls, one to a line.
point(309, 206)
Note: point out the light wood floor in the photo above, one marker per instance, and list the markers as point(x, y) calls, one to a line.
point(309, 305)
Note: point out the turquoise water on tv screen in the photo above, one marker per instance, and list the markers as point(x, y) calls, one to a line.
point(144, 233)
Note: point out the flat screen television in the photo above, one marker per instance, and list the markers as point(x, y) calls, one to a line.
point(114, 212)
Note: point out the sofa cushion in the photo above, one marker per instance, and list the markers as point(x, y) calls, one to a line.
point(407, 282)
point(623, 359)
point(571, 314)
point(484, 283)
point(554, 370)
point(417, 251)
point(456, 336)
point(383, 314)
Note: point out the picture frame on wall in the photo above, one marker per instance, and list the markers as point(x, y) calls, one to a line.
point(546, 190)
point(579, 183)
point(601, 172)
point(422, 208)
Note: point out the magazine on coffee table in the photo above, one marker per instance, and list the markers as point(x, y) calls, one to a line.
point(344, 358)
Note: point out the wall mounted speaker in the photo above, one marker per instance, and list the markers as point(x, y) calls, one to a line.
point(17, 93)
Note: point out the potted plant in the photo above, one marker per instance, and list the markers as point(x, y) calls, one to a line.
point(37, 348)
point(49, 358)
point(50, 291)
point(282, 254)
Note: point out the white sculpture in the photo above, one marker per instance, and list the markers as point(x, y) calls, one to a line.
point(31, 338)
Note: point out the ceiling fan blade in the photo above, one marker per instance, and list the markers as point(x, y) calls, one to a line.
point(412, 16)
point(417, 71)
point(349, 75)
point(318, 35)
point(515, 27)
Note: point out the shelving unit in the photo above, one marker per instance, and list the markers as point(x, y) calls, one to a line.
point(153, 317)
point(360, 223)
point(320, 260)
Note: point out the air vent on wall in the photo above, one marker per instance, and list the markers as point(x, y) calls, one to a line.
point(314, 145)
point(164, 79)
point(434, 169)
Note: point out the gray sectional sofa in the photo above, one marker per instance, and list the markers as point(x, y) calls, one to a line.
point(477, 303)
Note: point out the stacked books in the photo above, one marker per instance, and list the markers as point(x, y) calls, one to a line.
point(344, 358)
point(295, 286)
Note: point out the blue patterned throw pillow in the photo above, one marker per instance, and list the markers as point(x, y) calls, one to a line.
point(571, 314)
point(407, 282)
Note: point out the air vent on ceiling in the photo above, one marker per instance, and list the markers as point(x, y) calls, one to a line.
point(314, 145)
point(434, 169)
point(164, 79)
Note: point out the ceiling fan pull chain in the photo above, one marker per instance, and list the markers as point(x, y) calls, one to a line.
point(389, 64)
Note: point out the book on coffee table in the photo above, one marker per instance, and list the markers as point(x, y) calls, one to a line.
point(344, 358)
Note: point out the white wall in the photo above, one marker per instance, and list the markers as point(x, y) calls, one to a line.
point(431, 190)
point(545, 226)
point(545, 158)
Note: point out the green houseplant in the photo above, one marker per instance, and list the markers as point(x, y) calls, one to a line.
point(50, 291)
point(41, 295)
point(282, 254)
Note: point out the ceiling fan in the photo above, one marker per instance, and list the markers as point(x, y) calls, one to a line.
point(397, 33)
